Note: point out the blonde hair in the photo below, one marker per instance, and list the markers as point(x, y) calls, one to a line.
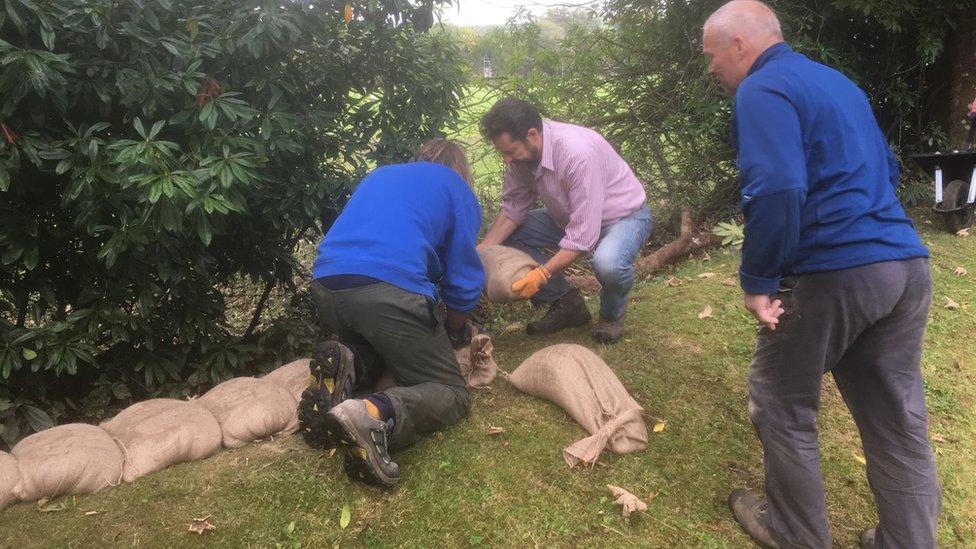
point(446, 152)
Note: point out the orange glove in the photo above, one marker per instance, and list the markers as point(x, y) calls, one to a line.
point(528, 285)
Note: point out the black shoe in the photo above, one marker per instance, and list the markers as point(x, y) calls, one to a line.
point(867, 539)
point(332, 380)
point(750, 512)
point(566, 312)
point(609, 331)
point(364, 439)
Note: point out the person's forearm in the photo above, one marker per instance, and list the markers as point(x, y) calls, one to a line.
point(562, 259)
point(500, 230)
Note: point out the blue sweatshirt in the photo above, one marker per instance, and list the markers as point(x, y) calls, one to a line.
point(818, 178)
point(414, 226)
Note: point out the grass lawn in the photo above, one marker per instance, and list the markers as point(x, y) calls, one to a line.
point(463, 487)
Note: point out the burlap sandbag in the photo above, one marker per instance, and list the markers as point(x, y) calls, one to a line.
point(9, 477)
point(478, 368)
point(67, 460)
point(503, 266)
point(293, 377)
point(578, 380)
point(157, 433)
point(250, 409)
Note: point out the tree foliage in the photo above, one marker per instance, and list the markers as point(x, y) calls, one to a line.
point(152, 151)
point(641, 80)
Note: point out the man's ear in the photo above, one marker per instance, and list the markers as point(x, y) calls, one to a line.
point(533, 137)
point(739, 44)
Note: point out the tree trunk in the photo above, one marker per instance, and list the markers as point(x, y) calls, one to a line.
point(961, 49)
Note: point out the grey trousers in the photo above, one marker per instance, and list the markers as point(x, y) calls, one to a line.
point(865, 325)
point(401, 333)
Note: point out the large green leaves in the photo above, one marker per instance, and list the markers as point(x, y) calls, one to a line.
point(152, 153)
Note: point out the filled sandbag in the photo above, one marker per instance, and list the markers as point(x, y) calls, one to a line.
point(67, 460)
point(578, 380)
point(503, 266)
point(9, 477)
point(157, 433)
point(293, 377)
point(250, 409)
point(478, 368)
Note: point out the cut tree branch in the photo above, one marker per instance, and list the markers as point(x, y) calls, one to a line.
point(689, 240)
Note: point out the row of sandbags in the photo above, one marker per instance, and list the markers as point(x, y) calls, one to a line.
point(149, 436)
point(152, 435)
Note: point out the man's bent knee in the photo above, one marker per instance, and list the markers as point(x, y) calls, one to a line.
point(611, 271)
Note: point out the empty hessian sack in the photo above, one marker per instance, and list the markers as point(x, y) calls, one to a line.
point(157, 433)
point(578, 380)
point(503, 266)
point(250, 409)
point(293, 377)
point(9, 477)
point(66, 460)
point(478, 368)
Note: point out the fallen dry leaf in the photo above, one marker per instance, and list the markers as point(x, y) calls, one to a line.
point(708, 275)
point(730, 282)
point(860, 459)
point(951, 305)
point(90, 513)
point(962, 232)
point(512, 328)
point(492, 431)
point(627, 501)
point(674, 282)
point(659, 426)
point(706, 313)
point(201, 525)
point(936, 437)
point(961, 271)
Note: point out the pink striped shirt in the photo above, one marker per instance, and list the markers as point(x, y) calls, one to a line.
point(583, 182)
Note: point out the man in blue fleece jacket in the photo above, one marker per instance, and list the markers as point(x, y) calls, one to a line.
point(836, 275)
point(405, 240)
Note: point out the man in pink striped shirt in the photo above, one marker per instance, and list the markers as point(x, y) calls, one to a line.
point(594, 205)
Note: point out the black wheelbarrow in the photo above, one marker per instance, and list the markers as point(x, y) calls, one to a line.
point(955, 200)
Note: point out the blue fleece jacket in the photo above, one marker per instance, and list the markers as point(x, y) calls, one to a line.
point(818, 176)
point(414, 226)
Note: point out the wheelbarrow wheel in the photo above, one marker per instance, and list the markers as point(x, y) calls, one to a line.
point(955, 213)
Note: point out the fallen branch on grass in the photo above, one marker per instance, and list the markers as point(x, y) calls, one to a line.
point(689, 240)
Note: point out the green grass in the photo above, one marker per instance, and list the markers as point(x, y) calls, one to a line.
point(462, 487)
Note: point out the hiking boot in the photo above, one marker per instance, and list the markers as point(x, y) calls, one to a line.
point(566, 312)
point(609, 331)
point(331, 381)
point(867, 539)
point(750, 512)
point(363, 438)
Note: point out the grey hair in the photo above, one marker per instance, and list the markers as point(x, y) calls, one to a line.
point(731, 19)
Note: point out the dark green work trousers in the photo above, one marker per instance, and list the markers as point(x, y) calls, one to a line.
point(401, 333)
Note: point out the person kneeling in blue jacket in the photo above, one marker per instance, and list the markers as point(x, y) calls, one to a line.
point(405, 240)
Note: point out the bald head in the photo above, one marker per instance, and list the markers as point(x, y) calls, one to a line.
point(735, 36)
point(745, 18)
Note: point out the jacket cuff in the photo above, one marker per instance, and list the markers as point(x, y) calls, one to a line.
point(755, 285)
point(461, 306)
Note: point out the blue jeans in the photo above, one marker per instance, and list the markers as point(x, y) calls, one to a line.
point(613, 258)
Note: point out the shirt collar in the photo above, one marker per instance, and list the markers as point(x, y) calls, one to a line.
point(772, 52)
point(545, 163)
